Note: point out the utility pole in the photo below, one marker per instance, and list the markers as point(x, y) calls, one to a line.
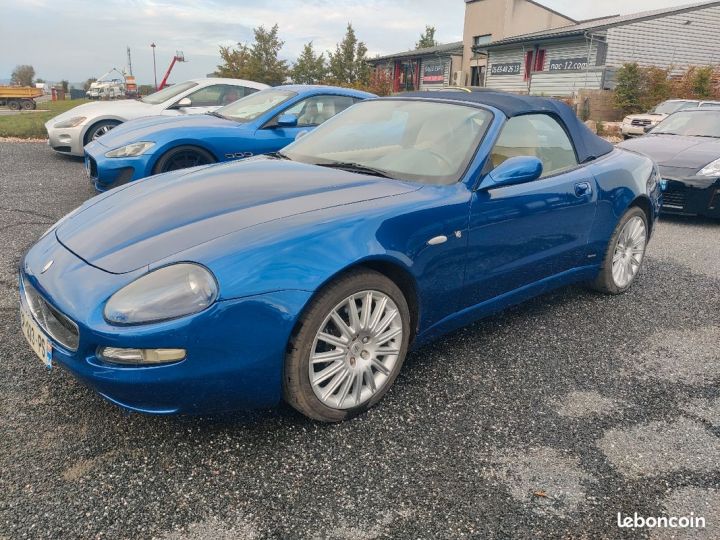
point(129, 61)
point(154, 65)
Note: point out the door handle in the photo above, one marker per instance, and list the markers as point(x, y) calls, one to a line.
point(582, 189)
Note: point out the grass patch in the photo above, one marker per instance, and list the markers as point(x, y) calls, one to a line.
point(31, 125)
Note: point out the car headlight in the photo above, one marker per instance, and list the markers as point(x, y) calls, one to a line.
point(72, 122)
point(130, 150)
point(711, 169)
point(167, 293)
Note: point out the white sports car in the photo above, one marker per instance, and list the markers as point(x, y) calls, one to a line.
point(70, 131)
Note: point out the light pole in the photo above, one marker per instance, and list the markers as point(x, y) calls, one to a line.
point(154, 66)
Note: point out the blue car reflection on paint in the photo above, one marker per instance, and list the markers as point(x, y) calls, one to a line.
point(261, 123)
point(306, 276)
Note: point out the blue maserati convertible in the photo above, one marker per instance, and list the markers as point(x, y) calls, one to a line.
point(307, 275)
point(261, 123)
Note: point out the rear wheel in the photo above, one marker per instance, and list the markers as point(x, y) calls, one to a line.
point(625, 253)
point(14, 104)
point(98, 130)
point(349, 348)
point(27, 105)
point(183, 157)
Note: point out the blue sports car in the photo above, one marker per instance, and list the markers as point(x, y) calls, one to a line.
point(307, 275)
point(261, 123)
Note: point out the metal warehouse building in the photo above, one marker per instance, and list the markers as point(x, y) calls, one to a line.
point(587, 54)
point(523, 46)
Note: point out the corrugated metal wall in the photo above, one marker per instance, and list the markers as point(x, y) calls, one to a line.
point(668, 41)
point(508, 83)
point(550, 83)
point(447, 74)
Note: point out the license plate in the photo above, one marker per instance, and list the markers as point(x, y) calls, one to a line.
point(36, 338)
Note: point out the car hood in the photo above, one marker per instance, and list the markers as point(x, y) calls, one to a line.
point(152, 219)
point(676, 150)
point(123, 109)
point(152, 128)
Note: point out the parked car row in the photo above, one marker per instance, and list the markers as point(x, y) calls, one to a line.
point(308, 273)
point(637, 125)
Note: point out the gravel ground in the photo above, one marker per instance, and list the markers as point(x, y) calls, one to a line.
point(544, 421)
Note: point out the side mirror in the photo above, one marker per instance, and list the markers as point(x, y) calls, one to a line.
point(287, 120)
point(516, 170)
point(184, 102)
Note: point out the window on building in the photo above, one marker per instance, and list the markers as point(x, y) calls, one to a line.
point(482, 40)
point(539, 60)
point(538, 135)
point(528, 65)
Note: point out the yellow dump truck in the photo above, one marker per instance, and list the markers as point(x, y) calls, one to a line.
point(19, 97)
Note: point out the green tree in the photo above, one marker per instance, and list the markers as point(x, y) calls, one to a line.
point(86, 84)
point(65, 85)
point(427, 39)
point(310, 67)
point(348, 64)
point(629, 89)
point(702, 83)
point(257, 62)
point(23, 75)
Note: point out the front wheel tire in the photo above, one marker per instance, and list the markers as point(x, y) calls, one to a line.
point(183, 157)
point(349, 347)
point(98, 130)
point(625, 253)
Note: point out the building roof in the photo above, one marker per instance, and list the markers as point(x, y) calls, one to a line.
point(441, 49)
point(601, 23)
point(587, 145)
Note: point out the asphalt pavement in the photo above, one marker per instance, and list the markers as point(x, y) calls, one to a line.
point(545, 421)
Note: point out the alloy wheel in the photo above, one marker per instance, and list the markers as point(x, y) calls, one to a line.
point(355, 350)
point(629, 252)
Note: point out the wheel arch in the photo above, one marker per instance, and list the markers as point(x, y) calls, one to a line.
point(643, 202)
point(97, 121)
point(389, 267)
point(174, 145)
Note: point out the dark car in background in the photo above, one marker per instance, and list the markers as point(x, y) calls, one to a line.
point(686, 146)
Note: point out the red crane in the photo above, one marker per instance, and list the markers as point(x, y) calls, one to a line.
point(179, 57)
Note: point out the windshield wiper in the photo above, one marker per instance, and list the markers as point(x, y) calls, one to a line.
point(356, 167)
point(217, 114)
point(278, 155)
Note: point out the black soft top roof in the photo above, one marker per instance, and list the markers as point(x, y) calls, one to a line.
point(588, 145)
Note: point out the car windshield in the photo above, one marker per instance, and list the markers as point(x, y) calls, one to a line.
point(670, 107)
point(255, 105)
point(168, 93)
point(422, 141)
point(691, 124)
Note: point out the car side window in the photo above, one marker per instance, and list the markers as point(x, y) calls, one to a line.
point(318, 109)
point(217, 95)
point(537, 135)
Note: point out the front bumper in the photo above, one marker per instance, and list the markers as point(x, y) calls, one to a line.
point(67, 141)
point(633, 131)
point(235, 349)
point(107, 173)
point(684, 193)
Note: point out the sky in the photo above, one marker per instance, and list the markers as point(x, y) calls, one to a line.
point(78, 39)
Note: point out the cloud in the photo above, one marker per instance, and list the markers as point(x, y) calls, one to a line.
point(76, 39)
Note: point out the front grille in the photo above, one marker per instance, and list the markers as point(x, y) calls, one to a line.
point(54, 323)
point(674, 198)
point(642, 123)
point(93, 167)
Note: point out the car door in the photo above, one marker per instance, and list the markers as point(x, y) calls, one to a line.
point(523, 234)
point(310, 113)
